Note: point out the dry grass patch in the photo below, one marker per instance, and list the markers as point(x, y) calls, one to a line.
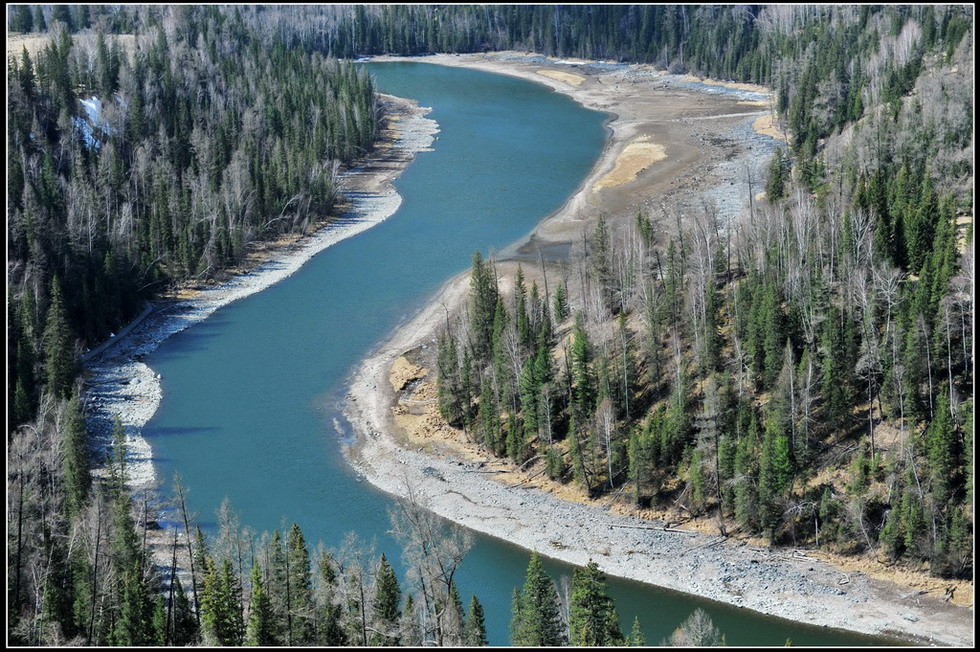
point(568, 77)
point(918, 581)
point(635, 157)
point(37, 42)
point(766, 125)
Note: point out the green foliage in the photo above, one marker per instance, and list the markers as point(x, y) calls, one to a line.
point(776, 184)
point(59, 346)
point(583, 378)
point(78, 478)
point(483, 306)
point(475, 628)
point(941, 445)
point(592, 618)
point(261, 629)
point(221, 610)
point(555, 466)
point(636, 638)
point(22, 20)
point(216, 165)
point(387, 599)
point(536, 619)
point(299, 588)
point(561, 303)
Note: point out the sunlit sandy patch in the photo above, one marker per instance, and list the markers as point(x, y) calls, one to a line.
point(754, 102)
point(567, 77)
point(766, 125)
point(635, 157)
point(404, 372)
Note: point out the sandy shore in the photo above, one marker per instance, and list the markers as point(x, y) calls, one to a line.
point(711, 158)
point(119, 383)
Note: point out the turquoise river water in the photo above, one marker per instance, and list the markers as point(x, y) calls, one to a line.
point(251, 393)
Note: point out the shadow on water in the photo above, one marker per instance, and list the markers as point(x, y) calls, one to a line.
point(153, 433)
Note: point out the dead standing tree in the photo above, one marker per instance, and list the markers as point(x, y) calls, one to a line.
point(433, 552)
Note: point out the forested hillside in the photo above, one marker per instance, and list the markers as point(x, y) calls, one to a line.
point(132, 170)
point(805, 373)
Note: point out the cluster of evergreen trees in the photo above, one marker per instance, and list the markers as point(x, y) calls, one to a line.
point(710, 40)
point(27, 19)
point(729, 368)
point(205, 137)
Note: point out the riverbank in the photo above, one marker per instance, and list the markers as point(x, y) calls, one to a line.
point(120, 384)
point(702, 154)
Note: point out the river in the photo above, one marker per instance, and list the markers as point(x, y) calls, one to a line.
point(252, 394)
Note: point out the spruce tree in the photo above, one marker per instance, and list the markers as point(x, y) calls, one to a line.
point(40, 25)
point(23, 20)
point(536, 620)
point(592, 618)
point(475, 628)
point(300, 587)
point(184, 621)
point(221, 613)
point(261, 629)
point(59, 346)
point(387, 599)
point(561, 304)
point(637, 639)
point(776, 185)
point(134, 626)
point(78, 478)
point(941, 447)
point(483, 306)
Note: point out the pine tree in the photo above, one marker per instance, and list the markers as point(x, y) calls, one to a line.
point(536, 620)
point(59, 346)
point(592, 618)
point(561, 304)
point(300, 587)
point(134, 627)
point(941, 446)
point(746, 471)
point(387, 599)
point(448, 386)
point(637, 639)
point(330, 630)
point(39, 23)
point(261, 629)
point(78, 478)
point(23, 20)
point(221, 614)
point(475, 629)
point(776, 185)
point(184, 622)
point(583, 382)
point(483, 306)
